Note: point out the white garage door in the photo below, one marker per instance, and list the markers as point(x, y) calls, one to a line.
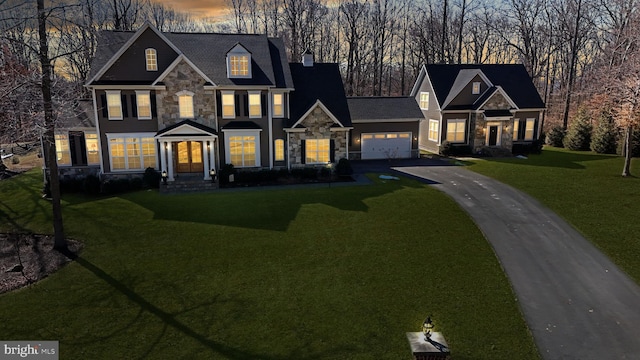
point(386, 145)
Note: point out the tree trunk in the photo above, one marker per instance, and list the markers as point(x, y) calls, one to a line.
point(60, 243)
point(626, 150)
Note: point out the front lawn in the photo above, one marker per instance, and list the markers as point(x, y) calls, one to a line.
point(587, 190)
point(323, 273)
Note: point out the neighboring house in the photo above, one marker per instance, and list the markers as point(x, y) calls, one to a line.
point(384, 127)
point(477, 106)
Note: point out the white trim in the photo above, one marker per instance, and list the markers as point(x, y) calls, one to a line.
point(504, 94)
point(276, 151)
point(153, 51)
point(222, 94)
point(242, 132)
point(259, 93)
point(313, 107)
point(186, 132)
point(306, 149)
point(238, 50)
point(190, 94)
point(270, 124)
point(346, 128)
point(498, 134)
point(139, 136)
point(464, 135)
point(127, 87)
point(427, 101)
point(119, 94)
point(272, 104)
point(139, 93)
point(462, 80)
point(95, 113)
point(125, 47)
point(437, 130)
point(533, 136)
point(173, 66)
point(376, 121)
point(475, 87)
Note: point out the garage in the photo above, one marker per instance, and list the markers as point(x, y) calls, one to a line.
point(391, 145)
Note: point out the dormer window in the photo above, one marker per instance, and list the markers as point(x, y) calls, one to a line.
point(152, 59)
point(239, 62)
point(475, 89)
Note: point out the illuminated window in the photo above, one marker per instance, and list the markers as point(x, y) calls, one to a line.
point(255, 106)
point(239, 65)
point(63, 153)
point(475, 88)
point(433, 130)
point(93, 155)
point(317, 151)
point(242, 151)
point(278, 105)
point(152, 59)
point(114, 105)
point(132, 152)
point(424, 100)
point(524, 129)
point(516, 127)
point(529, 130)
point(143, 100)
point(228, 105)
point(456, 130)
point(279, 144)
point(185, 104)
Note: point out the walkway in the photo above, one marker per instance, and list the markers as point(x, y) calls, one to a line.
point(577, 303)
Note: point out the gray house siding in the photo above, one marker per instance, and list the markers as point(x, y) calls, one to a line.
point(466, 96)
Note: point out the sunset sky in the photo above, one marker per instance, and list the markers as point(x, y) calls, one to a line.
point(198, 8)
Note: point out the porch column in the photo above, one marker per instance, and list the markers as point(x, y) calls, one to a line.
point(205, 159)
point(170, 162)
point(212, 154)
point(163, 156)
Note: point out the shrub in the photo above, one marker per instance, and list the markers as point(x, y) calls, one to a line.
point(15, 160)
point(445, 148)
point(91, 185)
point(343, 168)
point(151, 178)
point(605, 134)
point(449, 149)
point(116, 186)
point(579, 134)
point(225, 171)
point(556, 136)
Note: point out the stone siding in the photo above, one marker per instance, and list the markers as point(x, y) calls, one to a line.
point(318, 126)
point(497, 102)
point(184, 77)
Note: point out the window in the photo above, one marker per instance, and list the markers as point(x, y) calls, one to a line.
point(152, 59)
point(185, 104)
point(278, 105)
point(114, 105)
point(433, 130)
point(516, 128)
point(239, 65)
point(143, 99)
point(424, 100)
point(475, 88)
point(228, 105)
point(279, 145)
point(63, 152)
point(91, 141)
point(255, 107)
point(317, 151)
point(242, 150)
point(456, 130)
point(132, 152)
point(529, 130)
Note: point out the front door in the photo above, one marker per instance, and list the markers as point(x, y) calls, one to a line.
point(189, 157)
point(493, 135)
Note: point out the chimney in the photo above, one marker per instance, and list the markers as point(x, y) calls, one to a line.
point(307, 58)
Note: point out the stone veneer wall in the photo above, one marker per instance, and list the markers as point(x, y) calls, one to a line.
point(318, 126)
point(479, 124)
point(497, 102)
point(184, 77)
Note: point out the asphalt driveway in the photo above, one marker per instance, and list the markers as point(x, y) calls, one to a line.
point(577, 303)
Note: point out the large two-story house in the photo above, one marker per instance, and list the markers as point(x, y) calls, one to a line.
point(477, 106)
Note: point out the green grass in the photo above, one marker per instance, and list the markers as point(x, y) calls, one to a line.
point(587, 190)
point(325, 273)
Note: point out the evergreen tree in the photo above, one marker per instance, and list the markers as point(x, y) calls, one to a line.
point(556, 136)
point(605, 134)
point(579, 133)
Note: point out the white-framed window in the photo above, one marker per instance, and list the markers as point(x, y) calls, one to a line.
point(255, 104)
point(530, 129)
point(243, 148)
point(91, 142)
point(456, 130)
point(317, 151)
point(278, 105)
point(114, 105)
point(433, 130)
point(279, 148)
point(424, 100)
point(185, 104)
point(63, 151)
point(151, 58)
point(133, 151)
point(143, 101)
point(516, 128)
point(475, 88)
point(228, 105)
point(239, 62)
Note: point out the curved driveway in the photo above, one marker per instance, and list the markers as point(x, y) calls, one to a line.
point(577, 303)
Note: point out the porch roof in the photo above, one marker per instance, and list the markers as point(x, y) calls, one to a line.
point(187, 128)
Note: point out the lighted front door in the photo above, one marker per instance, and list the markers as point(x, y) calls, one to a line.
point(189, 157)
point(493, 135)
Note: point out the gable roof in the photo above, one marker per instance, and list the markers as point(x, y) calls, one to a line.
point(320, 82)
point(186, 127)
point(207, 52)
point(512, 78)
point(384, 108)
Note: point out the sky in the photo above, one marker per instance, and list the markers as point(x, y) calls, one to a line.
point(198, 8)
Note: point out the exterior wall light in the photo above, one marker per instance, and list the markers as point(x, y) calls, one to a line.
point(212, 173)
point(164, 176)
point(427, 327)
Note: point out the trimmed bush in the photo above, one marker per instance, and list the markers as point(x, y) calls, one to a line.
point(343, 168)
point(91, 185)
point(605, 134)
point(151, 178)
point(579, 133)
point(225, 171)
point(556, 136)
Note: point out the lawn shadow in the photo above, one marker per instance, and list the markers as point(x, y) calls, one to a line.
point(170, 320)
point(549, 158)
point(261, 208)
point(36, 203)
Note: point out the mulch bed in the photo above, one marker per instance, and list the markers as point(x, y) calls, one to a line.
point(28, 258)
